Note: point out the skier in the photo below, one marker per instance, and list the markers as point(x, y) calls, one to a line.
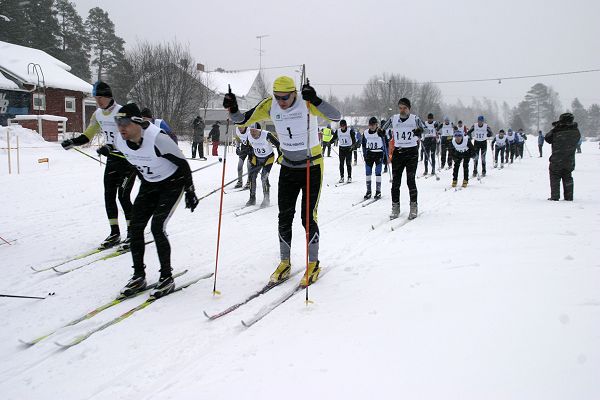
point(198, 139)
point(161, 123)
point(512, 144)
point(429, 143)
point(480, 132)
point(374, 146)
point(407, 129)
point(243, 151)
point(165, 175)
point(357, 139)
point(462, 150)
point(327, 136)
point(521, 138)
point(261, 145)
point(499, 145)
point(563, 137)
point(447, 132)
point(347, 141)
point(119, 175)
point(540, 142)
point(289, 114)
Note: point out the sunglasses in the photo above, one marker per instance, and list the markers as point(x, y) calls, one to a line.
point(283, 98)
point(125, 121)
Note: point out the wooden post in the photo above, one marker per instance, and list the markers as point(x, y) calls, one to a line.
point(18, 158)
point(8, 147)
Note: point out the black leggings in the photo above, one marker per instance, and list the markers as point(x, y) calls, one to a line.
point(404, 158)
point(156, 201)
point(119, 177)
point(465, 161)
point(446, 147)
point(200, 147)
point(480, 147)
point(292, 181)
point(429, 148)
point(346, 157)
point(501, 151)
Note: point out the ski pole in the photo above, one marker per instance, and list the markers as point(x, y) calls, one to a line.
point(209, 165)
point(308, 156)
point(87, 155)
point(5, 241)
point(26, 297)
point(528, 152)
point(219, 188)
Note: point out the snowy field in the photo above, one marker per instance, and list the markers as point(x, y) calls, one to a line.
point(492, 293)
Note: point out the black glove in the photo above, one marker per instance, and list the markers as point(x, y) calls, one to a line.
point(67, 144)
point(309, 94)
point(238, 150)
point(191, 201)
point(103, 150)
point(230, 102)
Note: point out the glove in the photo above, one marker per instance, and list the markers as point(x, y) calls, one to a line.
point(230, 102)
point(67, 144)
point(103, 151)
point(191, 201)
point(238, 151)
point(309, 94)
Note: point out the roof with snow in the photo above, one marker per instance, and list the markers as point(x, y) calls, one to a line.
point(14, 60)
point(241, 81)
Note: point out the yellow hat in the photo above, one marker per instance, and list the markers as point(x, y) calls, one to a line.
point(284, 84)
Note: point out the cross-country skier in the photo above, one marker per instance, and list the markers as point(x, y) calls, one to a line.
point(243, 150)
point(462, 149)
point(446, 134)
point(407, 129)
point(327, 139)
point(521, 138)
point(374, 145)
point(289, 114)
point(261, 144)
point(347, 142)
point(480, 131)
point(165, 175)
point(119, 175)
point(499, 146)
point(512, 144)
point(161, 123)
point(429, 143)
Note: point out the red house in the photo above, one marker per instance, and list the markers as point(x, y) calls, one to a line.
point(33, 82)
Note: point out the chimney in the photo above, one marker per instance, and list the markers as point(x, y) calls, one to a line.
point(200, 67)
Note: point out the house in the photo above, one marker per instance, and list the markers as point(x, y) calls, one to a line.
point(33, 82)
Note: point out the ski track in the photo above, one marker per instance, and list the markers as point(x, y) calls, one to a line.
point(492, 285)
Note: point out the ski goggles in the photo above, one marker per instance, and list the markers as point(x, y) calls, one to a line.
point(125, 121)
point(284, 97)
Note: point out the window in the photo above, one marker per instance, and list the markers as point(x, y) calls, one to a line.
point(39, 101)
point(70, 104)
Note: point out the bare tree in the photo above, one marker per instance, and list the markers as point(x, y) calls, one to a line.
point(167, 82)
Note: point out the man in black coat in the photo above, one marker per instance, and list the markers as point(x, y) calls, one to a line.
point(564, 138)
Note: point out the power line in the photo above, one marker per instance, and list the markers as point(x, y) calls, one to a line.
point(499, 79)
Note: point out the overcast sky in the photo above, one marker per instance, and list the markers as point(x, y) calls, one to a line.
point(349, 41)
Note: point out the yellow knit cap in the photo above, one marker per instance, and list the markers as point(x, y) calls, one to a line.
point(284, 84)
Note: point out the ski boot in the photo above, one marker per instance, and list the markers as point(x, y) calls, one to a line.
point(474, 173)
point(111, 240)
point(395, 210)
point(495, 165)
point(501, 165)
point(166, 285)
point(425, 173)
point(367, 195)
point(377, 195)
point(414, 209)
point(251, 201)
point(454, 182)
point(313, 274)
point(465, 183)
point(247, 185)
point(137, 283)
point(238, 185)
point(482, 174)
point(282, 272)
point(349, 180)
point(341, 180)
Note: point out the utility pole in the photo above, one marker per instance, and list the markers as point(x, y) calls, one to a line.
point(260, 50)
point(538, 113)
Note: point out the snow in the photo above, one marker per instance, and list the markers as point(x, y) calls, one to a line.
point(6, 83)
point(45, 117)
point(492, 293)
point(15, 59)
point(26, 137)
point(241, 81)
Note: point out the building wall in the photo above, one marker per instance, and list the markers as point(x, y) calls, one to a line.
point(55, 105)
point(13, 102)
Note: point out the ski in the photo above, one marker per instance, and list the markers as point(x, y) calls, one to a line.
point(360, 202)
point(370, 201)
point(342, 184)
point(118, 252)
point(383, 222)
point(251, 297)
point(80, 338)
point(246, 212)
point(75, 258)
point(400, 224)
point(95, 311)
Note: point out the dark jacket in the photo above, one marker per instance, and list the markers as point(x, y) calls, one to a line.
point(198, 126)
point(563, 138)
point(215, 133)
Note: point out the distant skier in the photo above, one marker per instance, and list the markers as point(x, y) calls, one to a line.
point(327, 136)
point(480, 131)
point(261, 160)
point(161, 123)
point(499, 146)
point(462, 150)
point(119, 175)
point(347, 142)
point(407, 129)
point(446, 134)
point(374, 146)
point(357, 139)
point(540, 142)
point(244, 152)
point(520, 138)
point(512, 144)
point(165, 175)
point(563, 137)
point(429, 143)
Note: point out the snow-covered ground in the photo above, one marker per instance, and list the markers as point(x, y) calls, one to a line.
point(492, 293)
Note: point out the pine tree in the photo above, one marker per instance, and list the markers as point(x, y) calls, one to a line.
point(106, 46)
point(581, 115)
point(74, 46)
point(594, 121)
point(544, 104)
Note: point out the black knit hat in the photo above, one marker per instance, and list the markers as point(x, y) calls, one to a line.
point(372, 120)
point(430, 115)
point(146, 113)
point(343, 122)
point(102, 89)
point(404, 101)
point(131, 111)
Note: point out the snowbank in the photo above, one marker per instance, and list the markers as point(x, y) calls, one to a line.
point(26, 136)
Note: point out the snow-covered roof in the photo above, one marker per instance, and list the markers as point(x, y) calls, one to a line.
point(15, 59)
point(6, 83)
point(241, 82)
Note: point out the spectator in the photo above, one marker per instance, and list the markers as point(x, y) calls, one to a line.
point(540, 142)
point(563, 137)
point(198, 139)
point(215, 137)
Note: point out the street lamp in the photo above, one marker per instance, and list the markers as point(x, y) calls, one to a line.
point(260, 50)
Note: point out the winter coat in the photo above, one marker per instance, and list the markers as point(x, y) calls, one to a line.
point(563, 138)
point(540, 140)
point(215, 133)
point(198, 126)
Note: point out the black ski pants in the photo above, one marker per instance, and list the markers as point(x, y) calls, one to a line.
point(292, 181)
point(405, 158)
point(480, 150)
point(119, 177)
point(345, 158)
point(200, 146)
point(429, 148)
point(464, 158)
point(446, 150)
point(558, 174)
point(501, 151)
